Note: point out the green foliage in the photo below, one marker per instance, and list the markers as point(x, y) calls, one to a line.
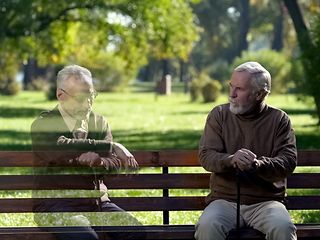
point(38, 84)
point(51, 92)
point(206, 87)
point(311, 61)
point(170, 28)
point(9, 68)
point(9, 87)
point(197, 84)
point(211, 91)
point(297, 76)
point(276, 63)
point(195, 90)
point(112, 77)
point(118, 36)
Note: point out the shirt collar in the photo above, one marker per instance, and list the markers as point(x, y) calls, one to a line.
point(71, 121)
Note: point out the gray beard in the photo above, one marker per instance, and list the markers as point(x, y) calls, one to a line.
point(81, 115)
point(239, 109)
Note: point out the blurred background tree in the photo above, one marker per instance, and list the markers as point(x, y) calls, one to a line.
point(113, 38)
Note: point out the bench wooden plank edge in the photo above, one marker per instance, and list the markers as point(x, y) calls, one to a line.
point(161, 158)
point(304, 231)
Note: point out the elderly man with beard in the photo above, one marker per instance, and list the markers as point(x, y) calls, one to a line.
point(248, 137)
point(71, 134)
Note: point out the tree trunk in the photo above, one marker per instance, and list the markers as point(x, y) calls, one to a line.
point(299, 24)
point(29, 71)
point(310, 58)
point(184, 75)
point(277, 42)
point(244, 25)
point(165, 67)
point(146, 73)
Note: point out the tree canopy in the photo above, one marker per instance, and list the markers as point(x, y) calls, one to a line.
point(93, 32)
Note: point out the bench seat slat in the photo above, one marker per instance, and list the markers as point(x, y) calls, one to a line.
point(305, 202)
point(159, 181)
point(149, 203)
point(138, 181)
point(25, 205)
point(304, 180)
point(113, 181)
point(304, 231)
point(49, 182)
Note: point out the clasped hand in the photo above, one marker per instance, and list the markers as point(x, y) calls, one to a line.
point(127, 159)
point(244, 159)
point(123, 158)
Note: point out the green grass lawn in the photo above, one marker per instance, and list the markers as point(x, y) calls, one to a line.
point(144, 121)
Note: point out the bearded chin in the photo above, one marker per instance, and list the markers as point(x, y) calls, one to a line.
point(83, 114)
point(239, 109)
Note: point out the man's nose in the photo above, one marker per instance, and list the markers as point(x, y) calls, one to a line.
point(233, 92)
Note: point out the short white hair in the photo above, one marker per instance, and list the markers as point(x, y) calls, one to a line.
point(82, 74)
point(260, 77)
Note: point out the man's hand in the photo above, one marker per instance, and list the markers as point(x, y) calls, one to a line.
point(90, 159)
point(243, 159)
point(111, 162)
point(127, 159)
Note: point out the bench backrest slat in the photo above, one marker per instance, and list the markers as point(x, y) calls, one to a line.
point(160, 158)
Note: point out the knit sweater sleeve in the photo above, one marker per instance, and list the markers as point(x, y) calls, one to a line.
point(284, 156)
point(212, 153)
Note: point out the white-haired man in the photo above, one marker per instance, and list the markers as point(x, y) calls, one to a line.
point(257, 141)
point(71, 134)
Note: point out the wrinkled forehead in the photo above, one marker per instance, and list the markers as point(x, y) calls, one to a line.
point(241, 79)
point(79, 84)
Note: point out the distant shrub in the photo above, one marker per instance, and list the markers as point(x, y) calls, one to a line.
point(211, 91)
point(51, 92)
point(195, 90)
point(110, 73)
point(110, 79)
point(10, 87)
point(197, 84)
point(38, 84)
point(9, 68)
point(206, 87)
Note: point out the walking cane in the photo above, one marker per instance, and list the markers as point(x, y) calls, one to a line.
point(238, 201)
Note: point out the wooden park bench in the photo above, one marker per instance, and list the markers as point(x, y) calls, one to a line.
point(164, 181)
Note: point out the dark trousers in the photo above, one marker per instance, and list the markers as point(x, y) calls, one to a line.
point(88, 233)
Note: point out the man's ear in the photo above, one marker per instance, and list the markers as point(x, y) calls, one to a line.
point(59, 94)
point(260, 95)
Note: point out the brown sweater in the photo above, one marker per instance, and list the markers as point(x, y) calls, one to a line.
point(267, 132)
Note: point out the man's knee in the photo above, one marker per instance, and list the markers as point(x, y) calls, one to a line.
point(282, 229)
point(206, 228)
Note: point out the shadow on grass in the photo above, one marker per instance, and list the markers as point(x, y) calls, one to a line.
point(299, 111)
point(308, 141)
point(138, 140)
point(134, 140)
point(15, 141)
point(9, 112)
point(153, 140)
point(204, 113)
